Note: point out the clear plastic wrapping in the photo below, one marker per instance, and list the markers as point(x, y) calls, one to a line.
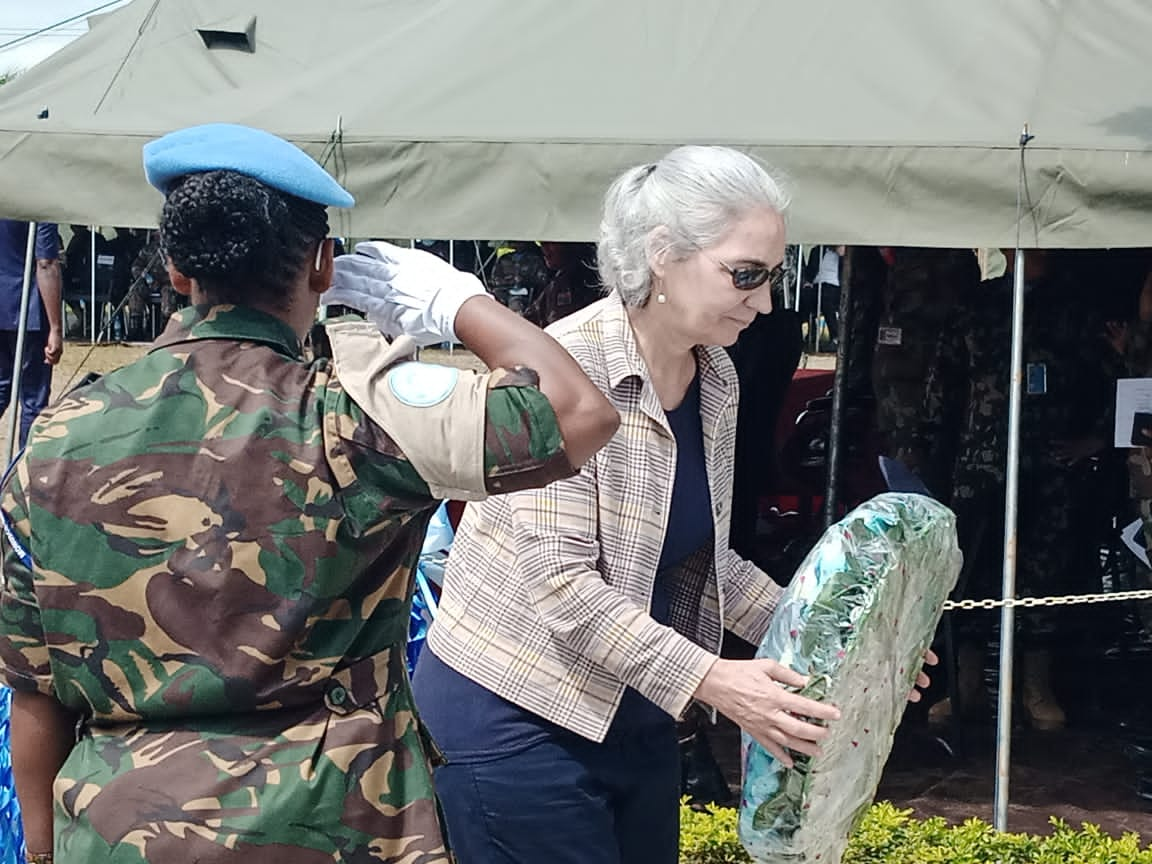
point(857, 619)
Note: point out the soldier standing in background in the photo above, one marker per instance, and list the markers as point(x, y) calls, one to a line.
point(1136, 345)
point(149, 277)
point(921, 294)
point(519, 276)
point(967, 414)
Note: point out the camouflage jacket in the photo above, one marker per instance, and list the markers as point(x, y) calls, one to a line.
point(210, 559)
point(1138, 364)
point(966, 405)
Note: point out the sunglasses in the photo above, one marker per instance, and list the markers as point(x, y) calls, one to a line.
point(751, 278)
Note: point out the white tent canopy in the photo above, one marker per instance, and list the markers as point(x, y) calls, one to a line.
point(896, 121)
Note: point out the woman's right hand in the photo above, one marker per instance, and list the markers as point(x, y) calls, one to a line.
point(751, 693)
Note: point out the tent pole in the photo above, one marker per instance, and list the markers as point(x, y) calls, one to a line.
point(452, 261)
point(1011, 550)
point(14, 404)
point(787, 298)
point(92, 263)
point(799, 272)
point(840, 383)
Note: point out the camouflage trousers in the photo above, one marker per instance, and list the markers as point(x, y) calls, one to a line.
point(348, 780)
point(1142, 575)
point(138, 300)
point(1047, 557)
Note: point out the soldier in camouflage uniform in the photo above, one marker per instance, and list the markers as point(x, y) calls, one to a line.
point(150, 276)
point(1137, 350)
point(520, 276)
point(209, 551)
point(920, 295)
point(966, 425)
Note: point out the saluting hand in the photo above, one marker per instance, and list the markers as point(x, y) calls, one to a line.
point(403, 291)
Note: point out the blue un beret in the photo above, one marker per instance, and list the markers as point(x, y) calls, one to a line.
point(228, 147)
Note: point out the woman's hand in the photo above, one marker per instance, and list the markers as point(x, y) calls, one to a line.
point(751, 693)
point(922, 680)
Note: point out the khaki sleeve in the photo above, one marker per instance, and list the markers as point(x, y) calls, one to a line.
point(466, 434)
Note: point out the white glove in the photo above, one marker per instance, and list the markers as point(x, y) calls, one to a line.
point(403, 291)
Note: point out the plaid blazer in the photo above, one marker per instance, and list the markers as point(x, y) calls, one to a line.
point(547, 591)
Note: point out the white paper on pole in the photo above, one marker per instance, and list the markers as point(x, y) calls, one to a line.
point(1133, 396)
point(1133, 537)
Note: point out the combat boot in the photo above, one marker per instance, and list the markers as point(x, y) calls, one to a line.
point(1044, 713)
point(969, 686)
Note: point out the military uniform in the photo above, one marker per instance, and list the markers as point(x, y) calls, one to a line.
point(1138, 362)
point(210, 560)
point(149, 275)
point(920, 296)
point(520, 276)
point(966, 426)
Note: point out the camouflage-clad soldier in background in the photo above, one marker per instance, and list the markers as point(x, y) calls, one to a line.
point(209, 551)
point(149, 277)
point(966, 414)
point(519, 276)
point(1137, 349)
point(920, 297)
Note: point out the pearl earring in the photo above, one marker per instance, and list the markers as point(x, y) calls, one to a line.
point(661, 298)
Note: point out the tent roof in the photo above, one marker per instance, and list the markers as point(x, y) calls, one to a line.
point(896, 121)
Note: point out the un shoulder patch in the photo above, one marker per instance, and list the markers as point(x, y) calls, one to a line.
point(422, 385)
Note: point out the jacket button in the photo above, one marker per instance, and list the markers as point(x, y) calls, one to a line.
point(338, 696)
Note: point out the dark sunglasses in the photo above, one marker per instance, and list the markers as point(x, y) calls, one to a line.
point(751, 278)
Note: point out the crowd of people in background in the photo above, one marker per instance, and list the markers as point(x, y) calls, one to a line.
point(930, 351)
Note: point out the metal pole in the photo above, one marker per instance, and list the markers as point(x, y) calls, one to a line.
point(799, 272)
point(452, 261)
point(840, 383)
point(818, 317)
point(92, 262)
point(787, 298)
point(14, 405)
point(1011, 497)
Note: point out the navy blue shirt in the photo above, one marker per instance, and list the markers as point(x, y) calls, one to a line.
point(13, 248)
point(471, 723)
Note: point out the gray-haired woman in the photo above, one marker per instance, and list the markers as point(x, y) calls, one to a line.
point(579, 621)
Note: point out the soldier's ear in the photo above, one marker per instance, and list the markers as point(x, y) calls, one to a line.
point(320, 275)
point(181, 284)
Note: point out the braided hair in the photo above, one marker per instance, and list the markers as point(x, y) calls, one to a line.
point(242, 241)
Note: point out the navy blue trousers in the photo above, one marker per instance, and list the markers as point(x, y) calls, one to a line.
point(566, 800)
point(35, 378)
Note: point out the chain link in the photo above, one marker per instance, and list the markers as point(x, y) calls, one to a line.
point(1066, 600)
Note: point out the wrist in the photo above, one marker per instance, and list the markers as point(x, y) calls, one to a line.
point(38, 858)
point(709, 689)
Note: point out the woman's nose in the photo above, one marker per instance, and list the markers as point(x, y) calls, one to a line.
point(760, 300)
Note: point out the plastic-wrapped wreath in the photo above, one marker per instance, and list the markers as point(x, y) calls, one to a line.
point(856, 619)
point(11, 832)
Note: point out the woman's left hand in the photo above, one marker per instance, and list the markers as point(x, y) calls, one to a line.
point(922, 680)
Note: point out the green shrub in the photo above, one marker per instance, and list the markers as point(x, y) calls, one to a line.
point(887, 835)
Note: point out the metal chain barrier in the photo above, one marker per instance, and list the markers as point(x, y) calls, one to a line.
point(1066, 600)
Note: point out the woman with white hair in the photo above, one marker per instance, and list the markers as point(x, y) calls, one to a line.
point(579, 621)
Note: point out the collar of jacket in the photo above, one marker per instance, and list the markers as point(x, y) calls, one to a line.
point(622, 354)
point(239, 323)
